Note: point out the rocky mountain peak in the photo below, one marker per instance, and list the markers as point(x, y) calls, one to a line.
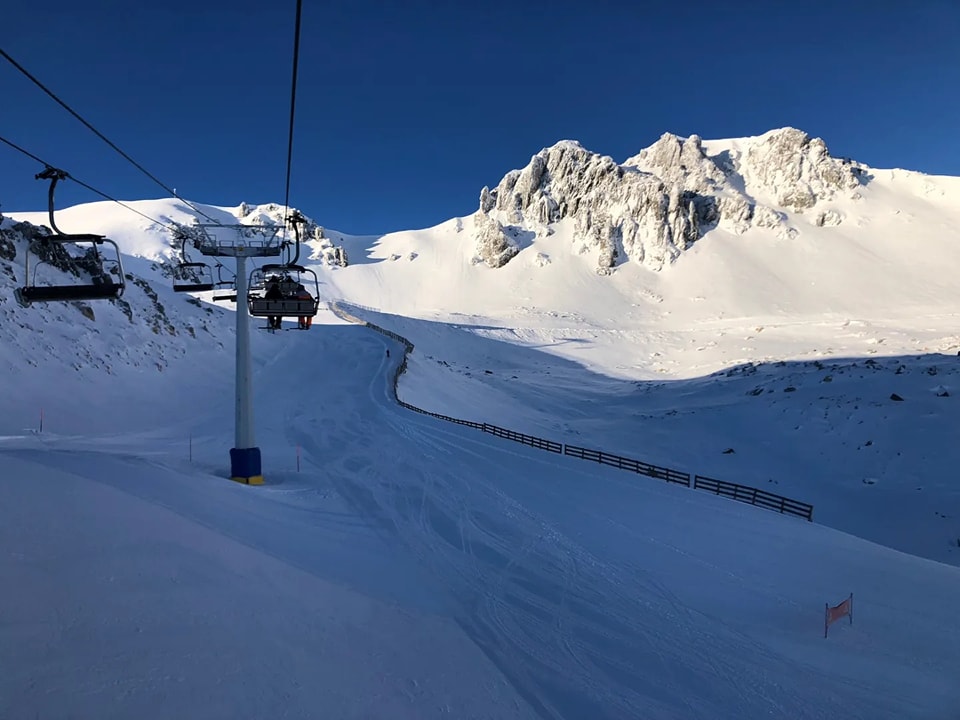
point(660, 201)
point(679, 160)
point(795, 169)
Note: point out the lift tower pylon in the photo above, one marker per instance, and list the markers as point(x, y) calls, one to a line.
point(248, 241)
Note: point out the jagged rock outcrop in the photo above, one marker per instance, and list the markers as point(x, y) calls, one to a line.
point(493, 246)
point(8, 251)
point(623, 214)
point(681, 162)
point(55, 254)
point(658, 203)
point(796, 170)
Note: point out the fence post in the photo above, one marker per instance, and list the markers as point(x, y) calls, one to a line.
point(41, 419)
point(782, 501)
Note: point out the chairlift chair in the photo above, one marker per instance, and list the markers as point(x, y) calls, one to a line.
point(289, 278)
point(193, 277)
point(107, 277)
point(230, 286)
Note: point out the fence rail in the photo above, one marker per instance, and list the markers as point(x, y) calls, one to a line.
point(623, 463)
point(754, 496)
point(734, 491)
point(548, 445)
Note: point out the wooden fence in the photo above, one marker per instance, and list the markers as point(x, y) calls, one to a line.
point(734, 491)
point(641, 468)
point(754, 496)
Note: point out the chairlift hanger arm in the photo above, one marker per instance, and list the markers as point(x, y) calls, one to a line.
point(295, 219)
point(54, 175)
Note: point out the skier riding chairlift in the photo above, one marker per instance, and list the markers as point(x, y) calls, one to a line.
point(305, 320)
point(274, 322)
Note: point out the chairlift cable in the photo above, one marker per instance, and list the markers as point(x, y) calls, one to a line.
point(293, 105)
point(83, 184)
point(96, 132)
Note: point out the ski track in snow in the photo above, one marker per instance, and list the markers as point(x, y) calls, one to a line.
point(567, 600)
point(577, 636)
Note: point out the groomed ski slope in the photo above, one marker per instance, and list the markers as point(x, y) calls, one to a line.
point(418, 569)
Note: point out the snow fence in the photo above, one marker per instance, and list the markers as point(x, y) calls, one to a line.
point(734, 491)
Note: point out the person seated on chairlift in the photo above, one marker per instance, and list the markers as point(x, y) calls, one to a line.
point(274, 322)
point(303, 294)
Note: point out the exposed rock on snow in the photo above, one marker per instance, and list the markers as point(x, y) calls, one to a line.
point(14, 234)
point(795, 169)
point(141, 305)
point(493, 246)
point(661, 201)
point(829, 218)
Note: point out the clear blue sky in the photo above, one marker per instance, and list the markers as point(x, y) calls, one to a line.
point(407, 108)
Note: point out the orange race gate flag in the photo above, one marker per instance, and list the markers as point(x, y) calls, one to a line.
point(832, 614)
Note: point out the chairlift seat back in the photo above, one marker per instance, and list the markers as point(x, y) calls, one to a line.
point(290, 307)
point(63, 293)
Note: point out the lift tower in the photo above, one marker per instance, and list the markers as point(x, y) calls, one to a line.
point(247, 241)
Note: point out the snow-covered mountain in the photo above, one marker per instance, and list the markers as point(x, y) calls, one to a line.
point(799, 262)
point(723, 252)
point(752, 309)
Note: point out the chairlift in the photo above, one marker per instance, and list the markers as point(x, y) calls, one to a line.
point(278, 290)
point(106, 274)
point(191, 276)
point(241, 240)
point(297, 287)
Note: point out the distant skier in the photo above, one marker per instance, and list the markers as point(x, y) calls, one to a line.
point(388, 352)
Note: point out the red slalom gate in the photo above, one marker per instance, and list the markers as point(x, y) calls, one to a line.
point(832, 614)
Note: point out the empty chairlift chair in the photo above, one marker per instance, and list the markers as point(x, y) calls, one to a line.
point(193, 277)
point(106, 274)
